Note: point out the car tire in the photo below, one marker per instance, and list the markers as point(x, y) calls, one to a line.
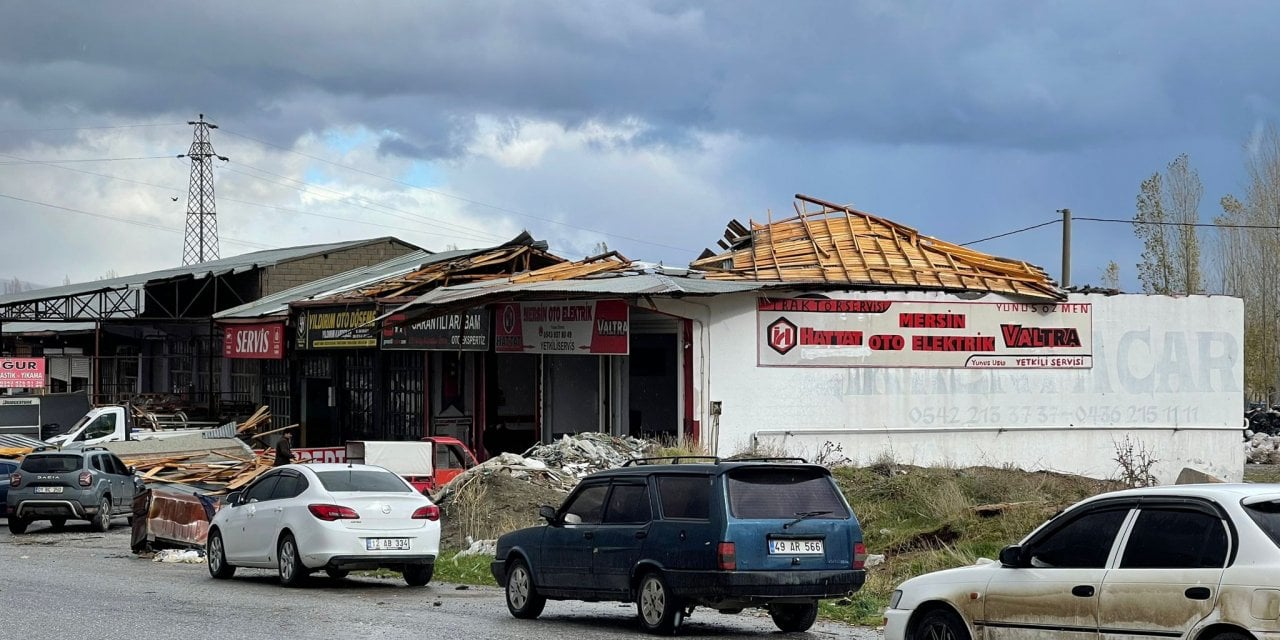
point(337, 574)
point(58, 523)
point(939, 624)
point(523, 599)
point(418, 575)
point(1232, 635)
point(794, 618)
point(659, 611)
point(289, 561)
point(216, 552)
point(102, 520)
point(18, 526)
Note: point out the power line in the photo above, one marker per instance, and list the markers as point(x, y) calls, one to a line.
point(416, 217)
point(124, 220)
point(114, 126)
point(1184, 224)
point(224, 198)
point(457, 197)
point(84, 160)
point(1016, 231)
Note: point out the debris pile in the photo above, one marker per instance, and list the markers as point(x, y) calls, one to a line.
point(504, 493)
point(1265, 421)
point(219, 472)
point(587, 453)
point(178, 556)
point(1261, 448)
point(479, 547)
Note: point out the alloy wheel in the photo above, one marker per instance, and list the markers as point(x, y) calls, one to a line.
point(653, 601)
point(518, 587)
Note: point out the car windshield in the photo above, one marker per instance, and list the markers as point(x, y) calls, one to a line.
point(51, 464)
point(1267, 515)
point(362, 480)
point(775, 493)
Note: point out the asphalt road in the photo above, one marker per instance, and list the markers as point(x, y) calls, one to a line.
point(82, 584)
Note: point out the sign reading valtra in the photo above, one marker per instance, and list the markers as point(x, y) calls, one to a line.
point(22, 373)
point(818, 332)
point(253, 341)
point(587, 327)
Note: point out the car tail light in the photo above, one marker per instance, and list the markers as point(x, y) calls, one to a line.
point(15, 479)
point(331, 512)
point(429, 512)
point(726, 556)
point(859, 555)
point(86, 478)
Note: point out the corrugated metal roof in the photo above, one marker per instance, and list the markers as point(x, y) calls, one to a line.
point(618, 284)
point(234, 264)
point(279, 302)
point(11, 328)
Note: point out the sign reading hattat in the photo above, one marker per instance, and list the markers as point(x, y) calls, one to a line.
point(587, 327)
point(467, 331)
point(820, 332)
point(338, 328)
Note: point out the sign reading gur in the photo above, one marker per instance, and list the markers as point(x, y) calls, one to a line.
point(820, 332)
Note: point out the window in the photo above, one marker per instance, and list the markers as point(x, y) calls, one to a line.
point(101, 427)
point(628, 504)
point(117, 466)
point(363, 480)
point(685, 497)
point(1267, 516)
point(447, 457)
point(781, 493)
point(51, 464)
point(587, 506)
point(262, 489)
point(291, 485)
point(99, 463)
point(1084, 543)
point(1167, 539)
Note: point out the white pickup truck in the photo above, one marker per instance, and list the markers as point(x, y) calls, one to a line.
point(115, 423)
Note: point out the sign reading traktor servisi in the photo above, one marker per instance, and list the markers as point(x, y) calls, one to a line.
point(821, 332)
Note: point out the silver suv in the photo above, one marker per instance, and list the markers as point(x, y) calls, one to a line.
point(59, 485)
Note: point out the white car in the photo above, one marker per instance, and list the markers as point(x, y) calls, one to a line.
point(1200, 562)
point(331, 517)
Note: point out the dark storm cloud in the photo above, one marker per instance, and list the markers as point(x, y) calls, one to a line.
point(1011, 74)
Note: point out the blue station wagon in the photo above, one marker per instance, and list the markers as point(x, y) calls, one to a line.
point(671, 535)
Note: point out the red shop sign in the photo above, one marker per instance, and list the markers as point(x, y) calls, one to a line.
point(253, 341)
point(22, 373)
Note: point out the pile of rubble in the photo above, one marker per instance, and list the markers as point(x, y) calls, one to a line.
point(1261, 448)
point(504, 492)
point(1263, 421)
point(587, 453)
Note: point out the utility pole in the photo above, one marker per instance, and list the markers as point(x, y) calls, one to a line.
point(201, 241)
point(1066, 247)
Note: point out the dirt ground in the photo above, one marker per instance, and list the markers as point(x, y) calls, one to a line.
point(489, 506)
point(1262, 473)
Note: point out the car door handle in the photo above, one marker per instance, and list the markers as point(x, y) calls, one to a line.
point(1199, 593)
point(641, 535)
point(1082, 591)
point(588, 535)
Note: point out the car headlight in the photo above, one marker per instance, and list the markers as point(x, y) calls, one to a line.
point(895, 599)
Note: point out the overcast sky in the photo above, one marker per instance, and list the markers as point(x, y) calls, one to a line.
point(644, 125)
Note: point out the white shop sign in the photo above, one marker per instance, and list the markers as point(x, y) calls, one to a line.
point(820, 332)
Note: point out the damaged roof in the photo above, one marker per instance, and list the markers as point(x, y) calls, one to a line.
point(838, 245)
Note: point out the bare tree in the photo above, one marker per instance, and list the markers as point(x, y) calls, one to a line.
point(1111, 276)
point(1168, 210)
point(1247, 261)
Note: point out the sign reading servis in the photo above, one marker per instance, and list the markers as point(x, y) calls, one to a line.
point(820, 332)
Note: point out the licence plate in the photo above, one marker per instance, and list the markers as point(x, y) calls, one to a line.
point(793, 547)
point(386, 544)
point(48, 489)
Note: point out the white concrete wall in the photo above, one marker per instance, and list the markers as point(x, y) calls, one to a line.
point(1167, 374)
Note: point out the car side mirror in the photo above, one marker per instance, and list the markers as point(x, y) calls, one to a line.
point(547, 513)
point(132, 471)
point(1013, 556)
point(233, 498)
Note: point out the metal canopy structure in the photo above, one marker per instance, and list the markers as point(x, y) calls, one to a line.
point(158, 294)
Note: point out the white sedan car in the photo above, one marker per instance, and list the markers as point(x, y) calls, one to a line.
point(331, 517)
point(1200, 562)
